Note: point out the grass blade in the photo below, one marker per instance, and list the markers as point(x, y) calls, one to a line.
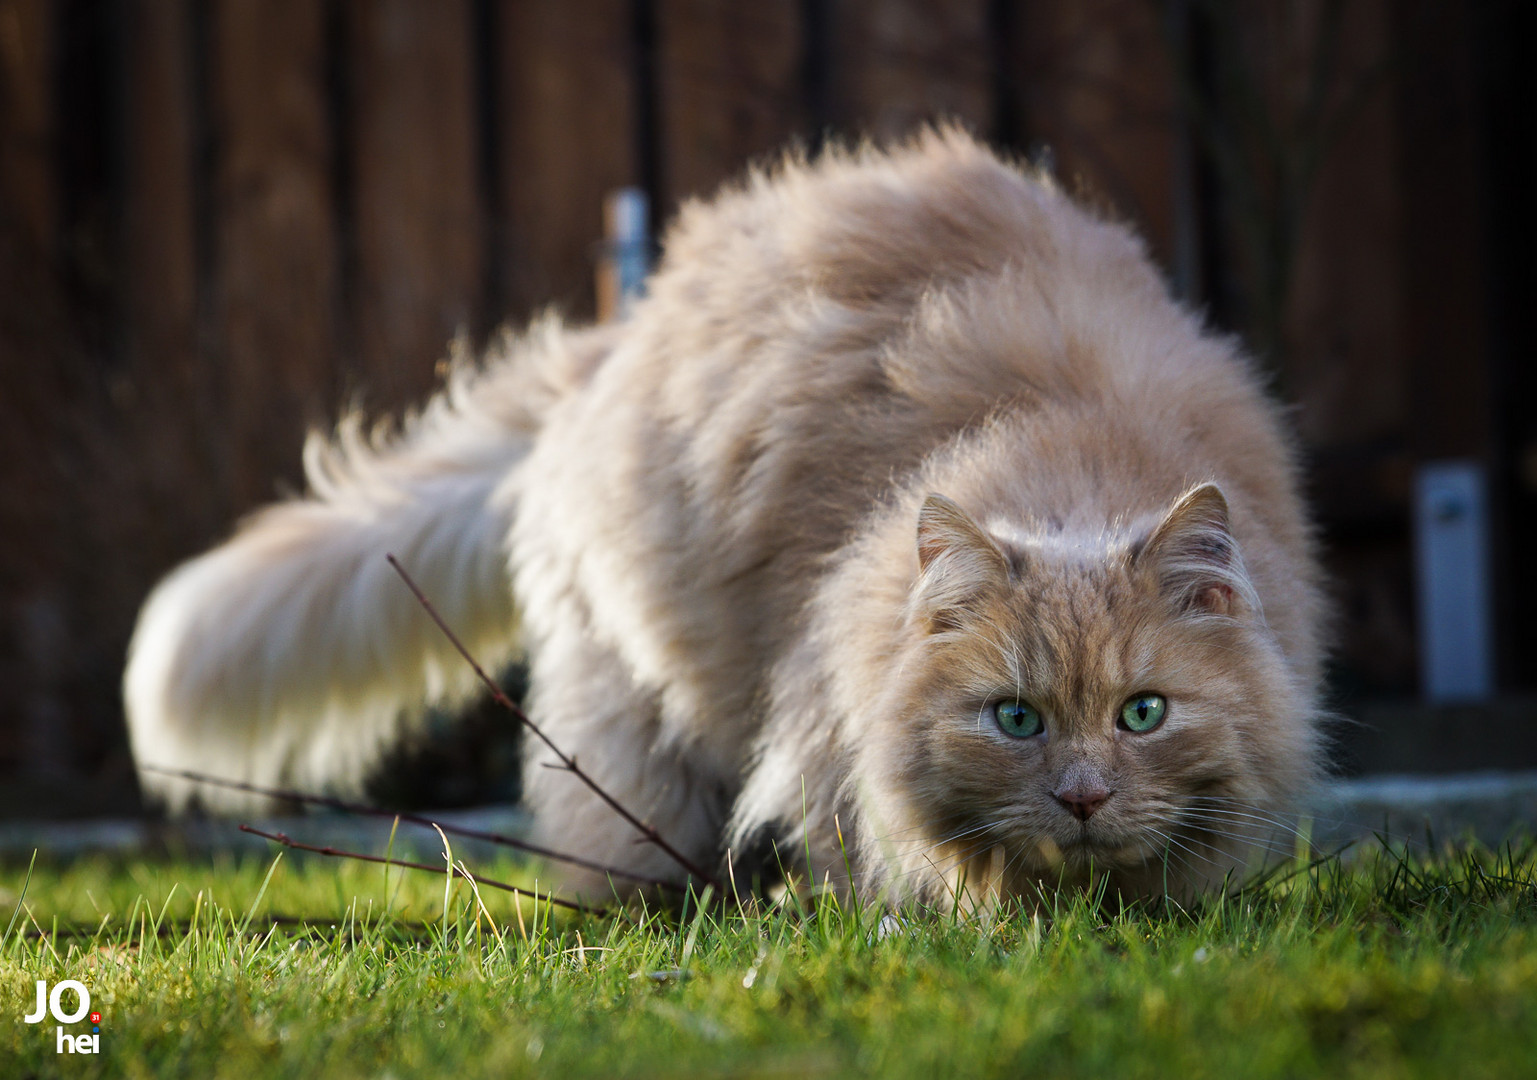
point(16, 911)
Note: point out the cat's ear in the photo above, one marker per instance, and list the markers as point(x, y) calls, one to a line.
point(958, 564)
point(1195, 557)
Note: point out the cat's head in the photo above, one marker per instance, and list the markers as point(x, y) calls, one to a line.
point(1114, 700)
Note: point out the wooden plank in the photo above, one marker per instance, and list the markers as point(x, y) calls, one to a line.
point(174, 418)
point(34, 326)
point(34, 355)
point(729, 89)
point(1445, 317)
point(275, 255)
point(1507, 36)
point(417, 207)
point(1346, 319)
point(899, 63)
point(564, 139)
point(156, 492)
point(1092, 84)
point(160, 196)
point(26, 138)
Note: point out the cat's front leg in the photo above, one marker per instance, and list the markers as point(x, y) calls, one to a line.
point(791, 825)
point(585, 699)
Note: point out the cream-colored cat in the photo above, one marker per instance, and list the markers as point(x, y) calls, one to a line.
point(907, 522)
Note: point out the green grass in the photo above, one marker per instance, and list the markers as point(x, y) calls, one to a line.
point(1381, 966)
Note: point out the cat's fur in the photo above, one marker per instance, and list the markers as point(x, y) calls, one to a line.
point(894, 435)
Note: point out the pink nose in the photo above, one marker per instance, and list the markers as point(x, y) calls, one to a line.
point(1081, 802)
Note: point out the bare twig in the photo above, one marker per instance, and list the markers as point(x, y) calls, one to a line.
point(517, 890)
point(346, 807)
point(566, 762)
point(172, 928)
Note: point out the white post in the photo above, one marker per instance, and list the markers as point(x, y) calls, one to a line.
point(1451, 535)
point(626, 252)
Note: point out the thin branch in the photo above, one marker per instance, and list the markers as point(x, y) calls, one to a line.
point(289, 842)
point(172, 928)
point(568, 763)
point(346, 807)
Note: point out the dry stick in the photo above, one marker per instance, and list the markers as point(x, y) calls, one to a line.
point(567, 763)
point(290, 842)
point(170, 928)
point(415, 819)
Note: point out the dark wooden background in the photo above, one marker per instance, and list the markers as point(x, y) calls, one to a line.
point(222, 220)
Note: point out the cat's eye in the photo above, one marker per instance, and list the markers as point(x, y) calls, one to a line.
point(1018, 718)
point(1143, 713)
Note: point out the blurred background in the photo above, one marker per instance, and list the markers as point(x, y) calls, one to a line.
point(223, 220)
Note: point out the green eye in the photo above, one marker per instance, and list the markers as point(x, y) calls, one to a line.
point(1143, 713)
point(1018, 718)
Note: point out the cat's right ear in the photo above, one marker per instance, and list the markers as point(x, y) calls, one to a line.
point(958, 564)
point(1195, 556)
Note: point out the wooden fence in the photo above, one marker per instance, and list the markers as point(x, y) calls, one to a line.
point(223, 220)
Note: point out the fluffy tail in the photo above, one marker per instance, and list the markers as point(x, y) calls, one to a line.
point(292, 655)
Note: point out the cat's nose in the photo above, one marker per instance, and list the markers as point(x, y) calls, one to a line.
point(1081, 801)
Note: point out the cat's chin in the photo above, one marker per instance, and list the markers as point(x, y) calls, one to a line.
point(1123, 869)
point(1033, 867)
point(1090, 854)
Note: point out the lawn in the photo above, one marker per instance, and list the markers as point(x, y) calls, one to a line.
point(1377, 965)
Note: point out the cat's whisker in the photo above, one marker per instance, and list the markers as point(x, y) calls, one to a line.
point(1269, 846)
point(1017, 666)
point(1321, 819)
point(998, 691)
point(1171, 842)
point(890, 875)
point(1267, 850)
point(1236, 820)
point(942, 869)
point(1181, 852)
point(1257, 834)
point(1234, 807)
point(958, 835)
point(945, 870)
point(967, 852)
point(962, 855)
point(1008, 653)
point(1239, 809)
point(1244, 826)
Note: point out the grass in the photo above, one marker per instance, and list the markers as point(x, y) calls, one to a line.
point(1384, 965)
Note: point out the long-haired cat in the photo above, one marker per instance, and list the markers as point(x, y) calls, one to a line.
point(907, 522)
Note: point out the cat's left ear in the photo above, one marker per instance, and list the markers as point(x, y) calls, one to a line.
point(1195, 557)
point(959, 564)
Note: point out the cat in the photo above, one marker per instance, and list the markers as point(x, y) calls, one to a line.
point(907, 524)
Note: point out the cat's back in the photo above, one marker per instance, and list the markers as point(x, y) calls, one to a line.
point(809, 339)
point(813, 334)
point(849, 315)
